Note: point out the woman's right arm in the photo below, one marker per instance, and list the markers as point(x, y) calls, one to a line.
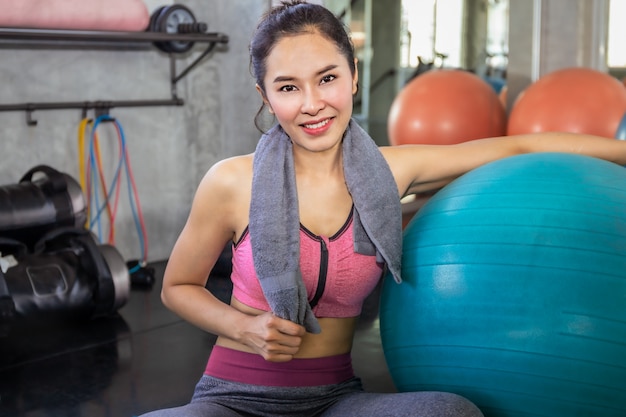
point(220, 205)
point(209, 227)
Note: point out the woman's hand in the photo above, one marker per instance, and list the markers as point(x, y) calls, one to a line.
point(276, 339)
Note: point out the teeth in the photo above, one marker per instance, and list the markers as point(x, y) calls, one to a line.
point(317, 125)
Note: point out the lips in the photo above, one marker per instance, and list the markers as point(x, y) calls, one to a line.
point(318, 127)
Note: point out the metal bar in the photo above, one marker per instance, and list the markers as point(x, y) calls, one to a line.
point(101, 105)
point(535, 70)
point(108, 36)
point(193, 64)
point(173, 81)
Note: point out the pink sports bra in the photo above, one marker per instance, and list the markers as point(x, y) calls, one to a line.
point(336, 278)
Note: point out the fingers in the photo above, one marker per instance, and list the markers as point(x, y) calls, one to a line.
point(287, 327)
point(276, 339)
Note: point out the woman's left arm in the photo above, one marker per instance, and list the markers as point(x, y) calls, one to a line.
point(426, 168)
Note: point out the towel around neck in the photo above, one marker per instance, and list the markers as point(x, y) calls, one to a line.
point(274, 224)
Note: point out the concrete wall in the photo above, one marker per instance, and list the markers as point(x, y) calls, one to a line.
point(170, 148)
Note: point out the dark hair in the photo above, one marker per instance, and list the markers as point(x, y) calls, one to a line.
point(291, 18)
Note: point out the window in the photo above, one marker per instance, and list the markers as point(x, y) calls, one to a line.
point(430, 28)
point(616, 52)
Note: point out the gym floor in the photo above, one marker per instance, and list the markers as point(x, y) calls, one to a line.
point(140, 359)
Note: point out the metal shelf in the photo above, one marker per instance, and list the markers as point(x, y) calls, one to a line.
point(18, 38)
point(46, 35)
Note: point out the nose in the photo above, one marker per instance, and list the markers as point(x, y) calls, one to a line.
point(312, 101)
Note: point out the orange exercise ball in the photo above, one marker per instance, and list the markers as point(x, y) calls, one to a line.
point(445, 106)
point(579, 100)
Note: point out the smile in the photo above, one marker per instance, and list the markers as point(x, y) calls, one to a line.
point(317, 125)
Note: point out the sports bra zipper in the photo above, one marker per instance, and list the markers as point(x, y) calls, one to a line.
point(321, 282)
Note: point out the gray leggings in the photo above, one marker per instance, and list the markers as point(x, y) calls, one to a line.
point(214, 397)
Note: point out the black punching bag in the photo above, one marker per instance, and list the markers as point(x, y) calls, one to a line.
point(51, 266)
point(44, 199)
point(68, 276)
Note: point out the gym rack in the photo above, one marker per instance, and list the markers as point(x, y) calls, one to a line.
point(12, 38)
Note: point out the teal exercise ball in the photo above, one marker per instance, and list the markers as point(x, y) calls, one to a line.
point(514, 290)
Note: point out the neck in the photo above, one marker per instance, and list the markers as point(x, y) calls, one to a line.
point(326, 163)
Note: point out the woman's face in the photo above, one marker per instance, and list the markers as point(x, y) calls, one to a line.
point(309, 88)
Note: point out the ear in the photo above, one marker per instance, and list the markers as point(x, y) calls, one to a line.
point(355, 79)
point(264, 98)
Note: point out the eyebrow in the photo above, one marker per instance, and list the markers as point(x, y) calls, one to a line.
point(283, 78)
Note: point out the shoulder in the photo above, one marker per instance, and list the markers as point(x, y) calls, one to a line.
point(222, 200)
point(235, 166)
point(226, 186)
point(405, 163)
point(228, 175)
point(417, 168)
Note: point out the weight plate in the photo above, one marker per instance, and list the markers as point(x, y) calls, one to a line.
point(167, 20)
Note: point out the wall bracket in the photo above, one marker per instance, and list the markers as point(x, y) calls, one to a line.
point(71, 39)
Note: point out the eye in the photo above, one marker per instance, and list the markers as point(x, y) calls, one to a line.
point(327, 78)
point(287, 88)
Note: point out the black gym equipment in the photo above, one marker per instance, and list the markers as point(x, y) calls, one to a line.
point(68, 276)
point(51, 266)
point(43, 199)
point(175, 19)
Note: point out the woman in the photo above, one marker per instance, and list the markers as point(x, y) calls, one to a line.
point(271, 363)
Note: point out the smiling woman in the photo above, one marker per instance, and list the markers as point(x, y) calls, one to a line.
point(313, 103)
point(299, 276)
point(314, 218)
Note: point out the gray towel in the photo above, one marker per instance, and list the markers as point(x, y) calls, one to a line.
point(275, 223)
